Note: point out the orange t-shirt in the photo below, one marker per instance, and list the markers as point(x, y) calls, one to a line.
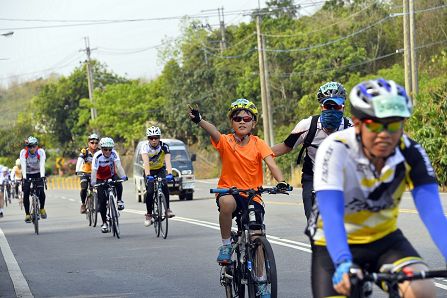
point(241, 165)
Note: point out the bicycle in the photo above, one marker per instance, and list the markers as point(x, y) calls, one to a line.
point(362, 288)
point(35, 204)
point(91, 202)
point(159, 209)
point(111, 207)
point(20, 193)
point(252, 254)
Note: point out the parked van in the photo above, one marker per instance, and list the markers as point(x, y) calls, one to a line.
point(182, 171)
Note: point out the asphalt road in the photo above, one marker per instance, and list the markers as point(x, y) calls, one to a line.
point(70, 259)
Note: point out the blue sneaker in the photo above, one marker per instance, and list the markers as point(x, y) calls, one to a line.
point(263, 291)
point(224, 257)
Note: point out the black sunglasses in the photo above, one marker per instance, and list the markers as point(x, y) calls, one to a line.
point(244, 118)
point(95, 143)
point(153, 138)
point(107, 149)
point(329, 106)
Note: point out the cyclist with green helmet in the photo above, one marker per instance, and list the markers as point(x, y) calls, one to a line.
point(32, 159)
point(241, 154)
point(360, 176)
point(84, 166)
point(310, 132)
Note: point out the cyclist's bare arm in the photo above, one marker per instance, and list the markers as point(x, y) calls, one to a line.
point(211, 130)
point(280, 149)
point(146, 166)
point(276, 172)
point(168, 163)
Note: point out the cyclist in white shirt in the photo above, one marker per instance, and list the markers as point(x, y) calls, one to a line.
point(32, 159)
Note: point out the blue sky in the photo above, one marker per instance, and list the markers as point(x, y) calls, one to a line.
point(128, 48)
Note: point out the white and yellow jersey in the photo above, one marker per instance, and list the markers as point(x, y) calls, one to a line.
point(371, 201)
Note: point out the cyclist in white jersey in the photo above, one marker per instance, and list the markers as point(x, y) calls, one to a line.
point(32, 159)
point(331, 97)
point(4, 183)
point(360, 176)
point(106, 164)
point(16, 176)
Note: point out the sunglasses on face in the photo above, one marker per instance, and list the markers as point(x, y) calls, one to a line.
point(377, 127)
point(93, 143)
point(244, 118)
point(329, 106)
point(31, 146)
point(106, 149)
point(153, 138)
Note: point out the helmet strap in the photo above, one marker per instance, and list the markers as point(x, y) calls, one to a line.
point(240, 140)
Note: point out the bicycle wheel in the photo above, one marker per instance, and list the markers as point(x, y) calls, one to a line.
point(20, 197)
point(156, 214)
point(35, 214)
point(90, 205)
point(263, 264)
point(95, 209)
point(114, 216)
point(162, 215)
point(5, 198)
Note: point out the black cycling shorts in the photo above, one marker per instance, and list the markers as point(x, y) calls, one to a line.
point(394, 248)
point(242, 205)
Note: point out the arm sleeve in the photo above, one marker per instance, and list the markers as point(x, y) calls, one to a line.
point(23, 163)
point(42, 162)
point(94, 171)
point(119, 168)
point(331, 206)
point(428, 204)
point(79, 164)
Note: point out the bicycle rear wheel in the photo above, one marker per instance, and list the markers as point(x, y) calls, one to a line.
point(90, 206)
point(95, 209)
point(114, 217)
point(35, 214)
point(156, 214)
point(162, 214)
point(263, 264)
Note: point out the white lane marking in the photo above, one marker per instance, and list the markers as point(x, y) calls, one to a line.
point(273, 239)
point(20, 284)
point(215, 226)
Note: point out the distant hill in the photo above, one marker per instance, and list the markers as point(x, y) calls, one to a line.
point(16, 99)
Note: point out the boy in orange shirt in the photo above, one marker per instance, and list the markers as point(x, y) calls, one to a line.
point(242, 155)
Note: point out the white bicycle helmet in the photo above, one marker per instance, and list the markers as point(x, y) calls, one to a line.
point(5, 169)
point(153, 131)
point(106, 143)
point(18, 162)
point(331, 90)
point(380, 99)
point(93, 136)
point(31, 141)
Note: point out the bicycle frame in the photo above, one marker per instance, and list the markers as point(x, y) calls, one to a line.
point(159, 208)
point(111, 205)
point(250, 236)
point(35, 204)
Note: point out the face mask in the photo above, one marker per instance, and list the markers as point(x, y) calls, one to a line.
point(331, 119)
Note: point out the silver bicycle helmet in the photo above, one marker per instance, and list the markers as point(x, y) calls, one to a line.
point(153, 131)
point(106, 143)
point(380, 99)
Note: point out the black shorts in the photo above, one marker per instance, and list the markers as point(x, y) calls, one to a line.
point(242, 205)
point(394, 248)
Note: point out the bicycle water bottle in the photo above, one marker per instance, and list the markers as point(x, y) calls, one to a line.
point(251, 214)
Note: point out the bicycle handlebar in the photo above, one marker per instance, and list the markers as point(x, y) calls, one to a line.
point(260, 190)
point(403, 276)
point(109, 182)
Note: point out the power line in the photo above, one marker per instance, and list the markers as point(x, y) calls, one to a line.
point(399, 51)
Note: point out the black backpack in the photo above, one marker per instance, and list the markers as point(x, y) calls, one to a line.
point(311, 135)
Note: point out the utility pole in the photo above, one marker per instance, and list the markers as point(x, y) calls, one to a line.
point(267, 94)
point(223, 44)
point(414, 63)
point(89, 77)
point(265, 114)
point(407, 46)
